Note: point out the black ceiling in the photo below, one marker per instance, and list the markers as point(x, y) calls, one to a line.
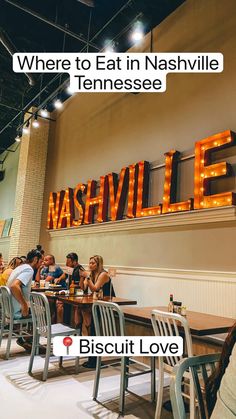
point(23, 32)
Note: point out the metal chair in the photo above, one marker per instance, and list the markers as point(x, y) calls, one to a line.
point(42, 328)
point(201, 367)
point(8, 321)
point(109, 321)
point(168, 324)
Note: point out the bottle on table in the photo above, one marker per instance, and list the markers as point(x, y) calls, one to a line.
point(100, 294)
point(171, 305)
point(72, 288)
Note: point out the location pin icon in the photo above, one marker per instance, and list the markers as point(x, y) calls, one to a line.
point(67, 341)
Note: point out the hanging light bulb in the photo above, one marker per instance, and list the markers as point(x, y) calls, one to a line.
point(58, 103)
point(109, 46)
point(44, 112)
point(18, 138)
point(35, 122)
point(26, 128)
point(70, 90)
point(138, 32)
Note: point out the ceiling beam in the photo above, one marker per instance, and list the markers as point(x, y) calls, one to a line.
point(55, 25)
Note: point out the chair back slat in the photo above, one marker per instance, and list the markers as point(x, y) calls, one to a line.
point(169, 324)
point(7, 308)
point(201, 369)
point(204, 374)
point(112, 324)
point(108, 319)
point(40, 313)
point(197, 386)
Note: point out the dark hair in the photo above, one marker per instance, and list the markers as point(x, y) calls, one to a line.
point(32, 254)
point(40, 249)
point(214, 380)
point(73, 256)
point(0, 255)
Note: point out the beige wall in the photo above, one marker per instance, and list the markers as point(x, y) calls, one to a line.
point(98, 133)
point(8, 185)
point(7, 194)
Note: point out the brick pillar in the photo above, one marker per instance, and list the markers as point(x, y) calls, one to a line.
point(29, 189)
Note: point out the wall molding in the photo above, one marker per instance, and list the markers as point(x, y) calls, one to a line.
point(5, 240)
point(210, 292)
point(194, 217)
point(181, 274)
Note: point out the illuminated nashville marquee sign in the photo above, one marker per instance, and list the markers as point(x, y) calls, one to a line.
point(132, 185)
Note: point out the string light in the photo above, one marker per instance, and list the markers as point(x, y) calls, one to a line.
point(18, 138)
point(26, 128)
point(58, 104)
point(44, 113)
point(170, 186)
point(143, 170)
point(109, 46)
point(79, 190)
point(35, 122)
point(70, 90)
point(138, 32)
point(117, 200)
point(205, 171)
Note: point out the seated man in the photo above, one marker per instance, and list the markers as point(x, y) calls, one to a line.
point(53, 272)
point(19, 283)
point(72, 261)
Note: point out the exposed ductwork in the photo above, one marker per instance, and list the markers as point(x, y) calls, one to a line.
point(5, 41)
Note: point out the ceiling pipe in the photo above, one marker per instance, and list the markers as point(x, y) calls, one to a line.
point(5, 41)
point(89, 3)
point(49, 22)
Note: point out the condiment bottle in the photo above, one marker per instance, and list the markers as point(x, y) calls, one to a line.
point(171, 305)
point(100, 294)
point(183, 311)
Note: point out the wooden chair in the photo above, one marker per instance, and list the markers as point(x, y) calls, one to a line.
point(201, 367)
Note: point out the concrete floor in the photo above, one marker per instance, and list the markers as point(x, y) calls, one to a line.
point(66, 395)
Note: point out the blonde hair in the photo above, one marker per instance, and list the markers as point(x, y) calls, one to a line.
point(14, 262)
point(99, 261)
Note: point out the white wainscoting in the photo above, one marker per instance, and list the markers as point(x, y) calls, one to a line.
point(203, 291)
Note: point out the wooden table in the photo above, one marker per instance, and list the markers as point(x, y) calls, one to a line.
point(84, 301)
point(44, 289)
point(200, 324)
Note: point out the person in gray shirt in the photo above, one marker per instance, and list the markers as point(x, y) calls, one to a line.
point(19, 283)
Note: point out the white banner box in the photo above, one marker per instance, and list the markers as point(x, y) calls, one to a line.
point(118, 346)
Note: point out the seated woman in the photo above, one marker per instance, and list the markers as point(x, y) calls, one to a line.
point(95, 280)
point(221, 387)
point(98, 278)
point(7, 272)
